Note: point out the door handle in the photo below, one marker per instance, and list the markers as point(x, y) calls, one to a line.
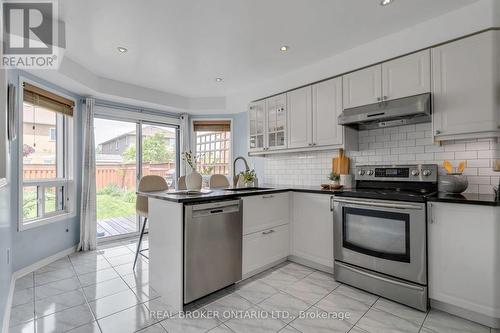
point(378, 277)
point(378, 204)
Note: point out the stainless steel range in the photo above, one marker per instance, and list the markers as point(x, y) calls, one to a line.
point(380, 232)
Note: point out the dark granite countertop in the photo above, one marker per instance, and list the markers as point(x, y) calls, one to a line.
point(465, 198)
point(222, 194)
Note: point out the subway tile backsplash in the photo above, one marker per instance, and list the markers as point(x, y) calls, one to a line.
point(396, 145)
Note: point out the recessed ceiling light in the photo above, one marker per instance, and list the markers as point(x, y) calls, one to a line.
point(284, 48)
point(122, 49)
point(386, 2)
point(219, 79)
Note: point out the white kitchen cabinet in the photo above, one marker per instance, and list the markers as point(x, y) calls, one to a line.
point(362, 87)
point(264, 211)
point(276, 123)
point(465, 87)
point(264, 248)
point(326, 107)
point(312, 228)
point(300, 118)
point(463, 259)
point(257, 125)
point(407, 76)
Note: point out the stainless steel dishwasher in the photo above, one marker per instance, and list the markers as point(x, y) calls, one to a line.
point(213, 234)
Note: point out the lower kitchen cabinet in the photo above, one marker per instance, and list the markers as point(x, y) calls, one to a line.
point(463, 259)
point(263, 248)
point(312, 228)
point(264, 211)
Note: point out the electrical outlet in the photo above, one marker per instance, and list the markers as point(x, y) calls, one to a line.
point(8, 256)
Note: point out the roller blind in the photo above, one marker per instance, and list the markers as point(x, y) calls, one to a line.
point(46, 99)
point(212, 125)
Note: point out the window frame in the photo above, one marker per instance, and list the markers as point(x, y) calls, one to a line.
point(69, 166)
point(231, 138)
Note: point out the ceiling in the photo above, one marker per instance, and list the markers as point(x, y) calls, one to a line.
point(181, 46)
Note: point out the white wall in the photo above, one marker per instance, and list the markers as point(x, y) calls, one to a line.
point(469, 19)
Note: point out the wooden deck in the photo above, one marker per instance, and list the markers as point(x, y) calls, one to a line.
point(116, 226)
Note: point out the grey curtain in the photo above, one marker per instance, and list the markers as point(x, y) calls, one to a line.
point(88, 220)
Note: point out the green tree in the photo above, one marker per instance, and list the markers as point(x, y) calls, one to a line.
point(154, 150)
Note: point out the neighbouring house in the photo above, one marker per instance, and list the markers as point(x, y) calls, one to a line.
point(118, 145)
point(39, 135)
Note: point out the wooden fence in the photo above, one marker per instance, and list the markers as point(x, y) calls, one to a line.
point(122, 175)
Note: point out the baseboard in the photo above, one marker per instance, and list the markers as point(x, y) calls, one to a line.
point(39, 264)
point(310, 264)
point(26, 270)
point(467, 314)
point(6, 316)
point(262, 269)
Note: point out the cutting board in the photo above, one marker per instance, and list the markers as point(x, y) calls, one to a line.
point(340, 164)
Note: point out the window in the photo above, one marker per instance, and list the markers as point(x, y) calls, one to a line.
point(47, 160)
point(52, 134)
point(213, 145)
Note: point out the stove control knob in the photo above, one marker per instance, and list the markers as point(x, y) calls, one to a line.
point(361, 172)
point(370, 172)
point(426, 173)
point(415, 173)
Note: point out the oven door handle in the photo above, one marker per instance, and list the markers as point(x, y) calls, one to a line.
point(381, 278)
point(378, 204)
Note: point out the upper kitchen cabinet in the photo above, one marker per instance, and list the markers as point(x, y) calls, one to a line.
point(276, 120)
point(313, 113)
point(300, 118)
point(326, 107)
point(402, 77)
point(257, 117)
point(407, 76)
point(465, 87)
point(362, 87)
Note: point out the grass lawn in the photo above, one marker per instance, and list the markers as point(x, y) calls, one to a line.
point(109, 206)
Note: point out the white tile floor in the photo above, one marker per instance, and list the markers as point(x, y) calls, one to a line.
point(99, 292)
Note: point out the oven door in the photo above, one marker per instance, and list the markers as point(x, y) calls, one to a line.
point(388, 237)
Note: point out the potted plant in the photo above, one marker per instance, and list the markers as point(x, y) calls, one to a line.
point(193, 179)
point(248, 178)
point(334, 178)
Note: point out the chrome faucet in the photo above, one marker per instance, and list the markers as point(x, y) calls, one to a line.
point(247, 168)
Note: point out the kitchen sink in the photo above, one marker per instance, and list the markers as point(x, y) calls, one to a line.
point(249, 189)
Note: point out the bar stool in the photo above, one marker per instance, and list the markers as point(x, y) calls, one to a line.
point(149, 183)
point(218, 181)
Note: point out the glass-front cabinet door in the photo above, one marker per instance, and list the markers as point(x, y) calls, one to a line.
point(276, 122)
point(256, 115)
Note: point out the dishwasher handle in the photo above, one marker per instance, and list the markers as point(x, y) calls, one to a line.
point(216, 208)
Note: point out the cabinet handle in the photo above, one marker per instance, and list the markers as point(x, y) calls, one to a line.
point(268, 232)
point(385, 98)
point(314, 144)
point(438, 132)
point(379, 99)
point(331, 204)
point(431, 214)
point(267, 196)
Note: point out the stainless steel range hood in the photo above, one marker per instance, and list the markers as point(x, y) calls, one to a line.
point(403, 111)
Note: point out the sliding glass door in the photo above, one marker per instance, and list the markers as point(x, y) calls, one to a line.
point(125, 151)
